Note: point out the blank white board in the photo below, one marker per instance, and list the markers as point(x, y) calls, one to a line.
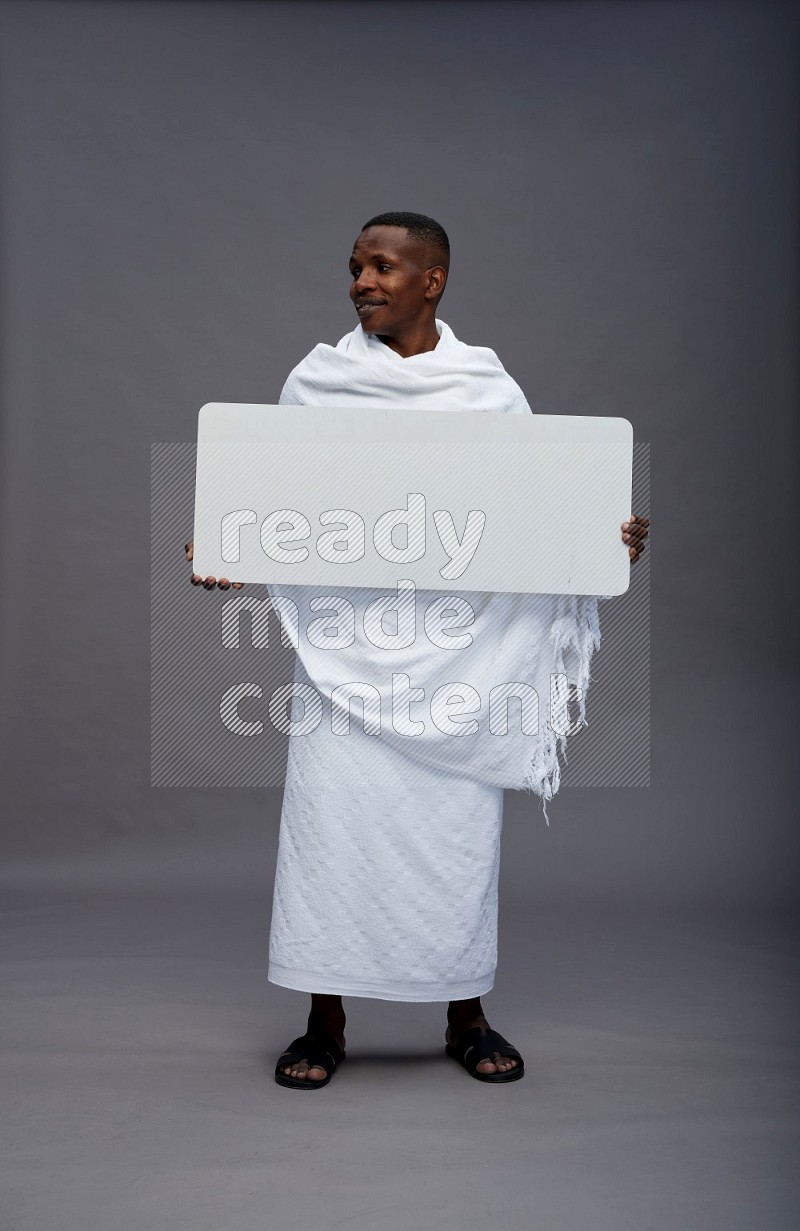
point(349, 496)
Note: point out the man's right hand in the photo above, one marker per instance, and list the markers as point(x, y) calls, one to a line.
point(209, 582)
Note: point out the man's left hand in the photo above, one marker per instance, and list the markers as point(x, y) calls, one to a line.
point(634, 532)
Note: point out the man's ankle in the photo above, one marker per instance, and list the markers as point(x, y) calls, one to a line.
point(462, 1012)
point(327, 1022)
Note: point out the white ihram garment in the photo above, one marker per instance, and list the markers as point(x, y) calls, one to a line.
point(389, 851)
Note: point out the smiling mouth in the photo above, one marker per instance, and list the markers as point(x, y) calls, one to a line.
point(365, 306)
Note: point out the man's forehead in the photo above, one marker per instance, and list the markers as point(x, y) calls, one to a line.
point(385, 239)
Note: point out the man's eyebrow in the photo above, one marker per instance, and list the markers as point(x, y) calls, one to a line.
point(376, 256)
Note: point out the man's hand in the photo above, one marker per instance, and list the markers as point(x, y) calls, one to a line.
point(635, 532)
point(209, 582)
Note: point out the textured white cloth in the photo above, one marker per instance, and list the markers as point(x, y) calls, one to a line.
point(524, 645)
point(386, 877)
point(386, 881)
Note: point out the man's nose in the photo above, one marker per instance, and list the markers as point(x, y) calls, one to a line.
point(364, 281)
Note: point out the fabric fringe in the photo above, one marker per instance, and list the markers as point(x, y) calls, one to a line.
point(575, 630)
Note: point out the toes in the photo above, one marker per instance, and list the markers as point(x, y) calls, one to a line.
point(302, 1071)
point(498, 1064)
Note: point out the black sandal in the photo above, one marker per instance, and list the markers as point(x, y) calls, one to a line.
point(319, 1050)
point(475, 1045)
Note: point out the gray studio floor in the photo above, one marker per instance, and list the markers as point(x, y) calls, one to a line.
point(140, 1036)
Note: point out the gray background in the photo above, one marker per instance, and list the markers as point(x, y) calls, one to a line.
point(182, 186)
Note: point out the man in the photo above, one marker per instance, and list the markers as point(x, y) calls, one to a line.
point(381, 890)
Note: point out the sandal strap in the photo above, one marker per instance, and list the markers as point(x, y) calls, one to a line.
point(319, 1050)
point(475, 1045)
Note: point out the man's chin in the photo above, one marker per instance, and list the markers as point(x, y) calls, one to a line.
point(370, 319)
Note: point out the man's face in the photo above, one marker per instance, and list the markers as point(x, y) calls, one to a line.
point(392, 287)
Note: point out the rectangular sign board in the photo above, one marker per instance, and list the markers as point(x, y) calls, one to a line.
point(307, 495)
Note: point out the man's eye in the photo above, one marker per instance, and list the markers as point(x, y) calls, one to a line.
point(384, 267)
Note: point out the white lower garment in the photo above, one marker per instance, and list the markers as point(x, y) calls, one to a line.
point(386, 880)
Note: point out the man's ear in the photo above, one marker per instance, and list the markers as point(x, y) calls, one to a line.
point(437, 278)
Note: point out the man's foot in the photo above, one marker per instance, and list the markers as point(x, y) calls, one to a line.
point(330, 1023)
point(315, 1072)
point(498, 1063)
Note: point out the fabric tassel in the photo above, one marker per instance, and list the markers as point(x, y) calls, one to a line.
point(576, 629)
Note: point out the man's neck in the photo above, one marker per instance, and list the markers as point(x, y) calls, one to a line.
point(416, 342)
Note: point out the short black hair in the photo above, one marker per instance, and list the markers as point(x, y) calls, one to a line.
point(420, 227)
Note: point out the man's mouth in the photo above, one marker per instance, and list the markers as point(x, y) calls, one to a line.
point(364, 306)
